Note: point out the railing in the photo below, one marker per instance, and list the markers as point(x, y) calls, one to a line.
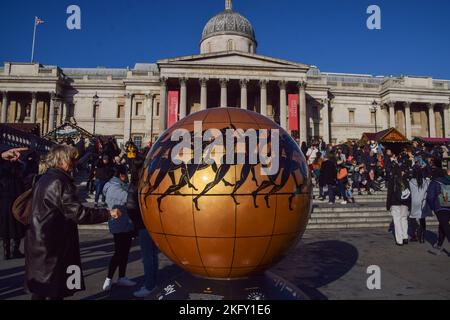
point(441, 84)
point(393, 83)
point(19, 139)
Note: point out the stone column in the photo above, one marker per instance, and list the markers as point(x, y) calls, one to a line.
point(326, 120)
point(183, 97)
point(385, 112)
point(392, 123)
point(204, 94)
point(127, 120)
point(149, 117)
point(302, 112)
point(446, 120)
point(223, 93)
point(33, 107)
point(65, 111)
point(243, 83)
point(5, 103)
point(51, 113)
point(163, 106)
point(62, 113)
point(263, 89)
point(283, 105)
point(408, 120)
point(431, 120)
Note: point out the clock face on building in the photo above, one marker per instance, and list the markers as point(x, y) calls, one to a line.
point(221, 213)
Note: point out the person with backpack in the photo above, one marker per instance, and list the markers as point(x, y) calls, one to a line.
point(438, 198)
point(342, 180)
point(399, 203)
point(420, 210)
point(317, 163)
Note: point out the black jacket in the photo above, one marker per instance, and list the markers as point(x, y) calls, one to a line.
point(133, 209)
point(103, 171)
point(51, 242)
point(328, 173)
point(394, 194)
point(11, 187)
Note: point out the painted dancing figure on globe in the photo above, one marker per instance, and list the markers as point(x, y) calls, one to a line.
point(290, 166)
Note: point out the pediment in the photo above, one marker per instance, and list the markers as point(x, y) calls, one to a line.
point(233, 59)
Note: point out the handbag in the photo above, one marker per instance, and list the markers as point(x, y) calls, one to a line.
point(23, 205)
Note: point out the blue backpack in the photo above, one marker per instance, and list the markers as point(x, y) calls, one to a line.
point(444, 195)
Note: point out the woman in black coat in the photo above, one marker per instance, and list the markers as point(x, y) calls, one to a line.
point(11, 187)
point(52, 250)
point(328, 174)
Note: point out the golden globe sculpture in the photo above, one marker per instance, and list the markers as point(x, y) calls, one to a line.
point(225, 220)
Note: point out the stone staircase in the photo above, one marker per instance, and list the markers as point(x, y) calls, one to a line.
point(369, 211)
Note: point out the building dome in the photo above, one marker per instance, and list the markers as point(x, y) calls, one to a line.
point(228, 31)
point(229, 22)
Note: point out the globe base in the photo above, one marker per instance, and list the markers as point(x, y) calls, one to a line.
point(267, 286)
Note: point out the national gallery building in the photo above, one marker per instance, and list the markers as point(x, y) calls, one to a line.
point(228, 73)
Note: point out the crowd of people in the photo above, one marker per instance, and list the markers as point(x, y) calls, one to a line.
point(417, 186)
point(416, 183)
point(51, 236)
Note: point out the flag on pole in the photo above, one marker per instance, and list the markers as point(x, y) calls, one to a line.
point(38, 21)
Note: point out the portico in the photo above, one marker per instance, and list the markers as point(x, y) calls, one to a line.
point(235, 80)
point(417, 119)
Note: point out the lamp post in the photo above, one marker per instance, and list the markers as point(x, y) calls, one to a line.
point(374, 109)
point(56, 113)
point(95, 100)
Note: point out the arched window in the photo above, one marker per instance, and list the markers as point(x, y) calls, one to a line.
point(230, 45)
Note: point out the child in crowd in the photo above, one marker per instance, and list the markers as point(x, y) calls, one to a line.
point(349, 193)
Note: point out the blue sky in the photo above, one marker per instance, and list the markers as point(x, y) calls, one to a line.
point(332, 34)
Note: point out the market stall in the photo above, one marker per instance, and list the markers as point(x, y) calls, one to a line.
point(391, 139)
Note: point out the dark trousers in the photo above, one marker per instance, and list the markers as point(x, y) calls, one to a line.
point(149, 254)
point(441, 237)
point(341, 188)
point(122, 245)
point(415, 226)
point(444, 226)
point(99, 184)
point(331, 197)
point(321, 194)
point(7, 245)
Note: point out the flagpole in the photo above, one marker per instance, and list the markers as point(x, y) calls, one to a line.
point(34, 38)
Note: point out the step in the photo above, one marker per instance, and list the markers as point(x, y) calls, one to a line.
point(350, 208)
point(367, 220)
point(340, 226)
point(356, 196)
point(383, 191)
point(350, 214)
point(358, 225)
point(357, 200)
